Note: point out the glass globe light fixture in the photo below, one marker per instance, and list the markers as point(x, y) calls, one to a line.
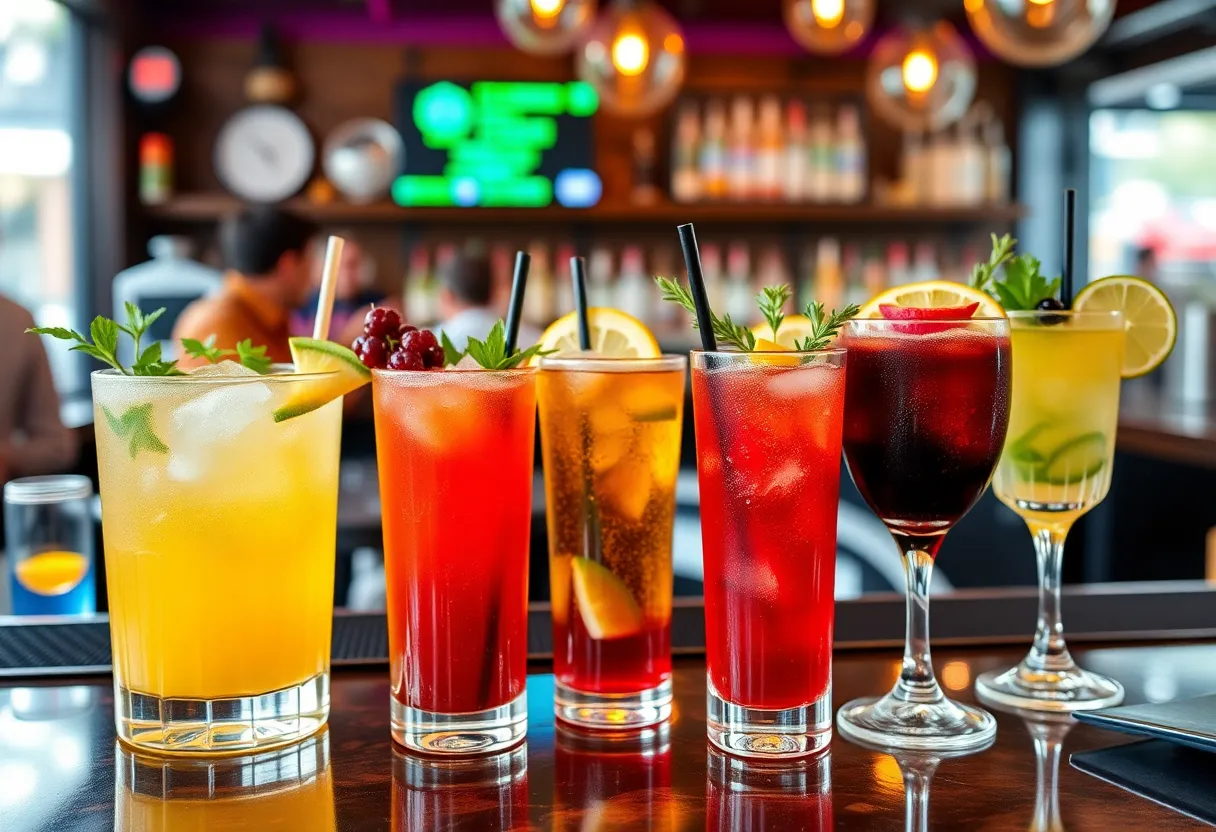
point(1039, 32)
point(544, 27)
point(633, 56)
point(828, 27)
point(921, 79)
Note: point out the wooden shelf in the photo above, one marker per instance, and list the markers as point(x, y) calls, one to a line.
point(209, 207)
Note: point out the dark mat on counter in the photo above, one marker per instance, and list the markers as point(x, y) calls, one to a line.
point(1185, 721)
point(1175, 776)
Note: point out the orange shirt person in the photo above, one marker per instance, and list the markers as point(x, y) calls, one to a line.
point(265, 252)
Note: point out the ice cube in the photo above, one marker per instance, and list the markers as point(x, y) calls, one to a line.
point(226, 367)
point(212, 418)
point(805, 382)
point(467, 362)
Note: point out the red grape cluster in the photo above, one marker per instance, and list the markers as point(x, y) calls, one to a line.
point(387, 343)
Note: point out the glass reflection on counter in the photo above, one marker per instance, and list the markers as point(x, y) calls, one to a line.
point(608, 780)
point(445, 795)
point(289, 790)
point(747, 796)
point(916, 769)
point(45, 741)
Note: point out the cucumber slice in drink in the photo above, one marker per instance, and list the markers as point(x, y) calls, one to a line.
point(1075, 460)
point(345, 372)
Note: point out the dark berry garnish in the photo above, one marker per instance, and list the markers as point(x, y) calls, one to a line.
point(404, 328)
point(1051, 305)
point(381, 322)
point(404, 360)
point(372, 351)
point(434, 358)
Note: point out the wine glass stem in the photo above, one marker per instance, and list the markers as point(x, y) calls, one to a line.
point(1049, 653)
point(916, 680)
point(1047, 786)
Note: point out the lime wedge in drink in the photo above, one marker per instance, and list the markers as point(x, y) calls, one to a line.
point(345, 372)
point(607, 608)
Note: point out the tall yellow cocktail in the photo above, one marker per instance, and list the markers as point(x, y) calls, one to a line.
point(219, 513)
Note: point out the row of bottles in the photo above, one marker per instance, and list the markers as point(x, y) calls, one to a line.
point(967, 164)
point(768, 150)
point(828, 270)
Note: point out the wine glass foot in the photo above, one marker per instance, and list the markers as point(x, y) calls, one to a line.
point(1063, 691)
point(888, 722)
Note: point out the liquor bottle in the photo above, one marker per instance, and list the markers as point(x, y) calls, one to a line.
point(850, 156)
point(854, 277)
point(938, 171)
point(771, 271)
point(563, 291)
point(897, 264)
point(804, 292)
point(969, 163)
point(741, 156)
point(645, 186)
point(599, 277)
point(713, 151)
point(823, 158)
point(924, 265)
point(912, 167)
point(538, 300)
point(740, 302)
point(829, 281)
point(873, 272)
point(685, 178)
point(769, 150)
point(796, 162)
point(715, 283)
point(668, 316)
point(418, 284)
point(633, 295)
point(997, 169)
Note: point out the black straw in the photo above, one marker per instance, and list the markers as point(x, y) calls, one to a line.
point(1070, 244)
point(578, 274)
point(696, 282)
point(515, 308)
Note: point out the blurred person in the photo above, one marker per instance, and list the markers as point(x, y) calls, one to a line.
point(354, 293)
point(33, 439)
point(466, 290)
point(265, 252)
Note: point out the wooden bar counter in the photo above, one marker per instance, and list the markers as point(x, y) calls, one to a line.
point(59, 770)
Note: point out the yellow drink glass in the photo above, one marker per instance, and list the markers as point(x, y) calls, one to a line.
point(1055, 467)
point(219, 526)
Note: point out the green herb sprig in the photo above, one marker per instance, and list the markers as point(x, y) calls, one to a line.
point(491, 353)
point(246, 353)
point(771, 301)
point(824, 326)
point(102, 342)
point(1022, 286)
point(724, 328)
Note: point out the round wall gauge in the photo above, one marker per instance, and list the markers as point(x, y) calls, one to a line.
point(264, 153)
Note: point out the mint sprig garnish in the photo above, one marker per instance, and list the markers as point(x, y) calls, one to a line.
point(451, 355)
point(824, 326)
point(491, 353)
point(724, 329)
point(135, 425)
point(1022, 286)
point(102, 342)
point(246, 353)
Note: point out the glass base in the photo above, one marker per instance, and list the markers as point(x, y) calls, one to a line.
point(613, 711)
point(479, 732)
point(1061, 691)
point(239, 724)
point(767, 733)
point(942, 725)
